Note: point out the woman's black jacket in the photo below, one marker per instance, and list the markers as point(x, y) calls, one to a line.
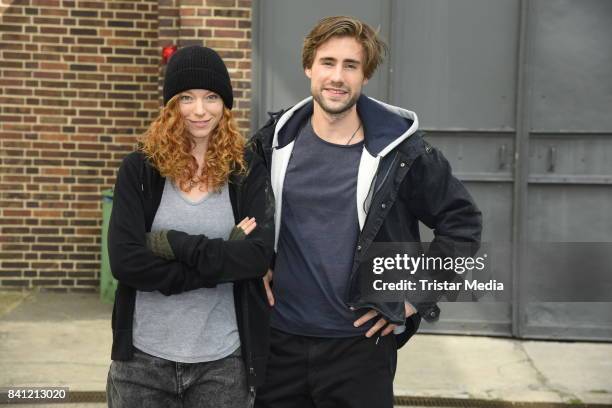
point(200, 261)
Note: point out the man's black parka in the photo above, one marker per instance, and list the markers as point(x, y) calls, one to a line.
point(410, 182)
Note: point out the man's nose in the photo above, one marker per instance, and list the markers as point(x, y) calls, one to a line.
point(336, 75)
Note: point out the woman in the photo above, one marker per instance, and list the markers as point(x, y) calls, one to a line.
point(190, 316)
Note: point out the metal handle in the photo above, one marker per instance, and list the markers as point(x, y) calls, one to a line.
point(552, 158)
point(502, 156)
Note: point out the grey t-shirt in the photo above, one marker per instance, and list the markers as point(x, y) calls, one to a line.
point(318, 233)
point(198, 325)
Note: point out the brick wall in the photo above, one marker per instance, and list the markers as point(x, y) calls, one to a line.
point(224, 25)
point(79, 80)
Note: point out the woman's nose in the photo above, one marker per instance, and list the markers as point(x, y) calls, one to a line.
point(199, 108)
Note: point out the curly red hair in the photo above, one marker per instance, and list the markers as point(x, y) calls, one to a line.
point(168, 147)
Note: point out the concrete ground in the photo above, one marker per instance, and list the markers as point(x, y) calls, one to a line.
point(505, 369)
point(64, 340)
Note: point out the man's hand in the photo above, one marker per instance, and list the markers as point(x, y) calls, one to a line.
point(267, 280)
point(382, 322)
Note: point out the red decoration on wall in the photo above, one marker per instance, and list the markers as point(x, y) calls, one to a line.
point(167, 52)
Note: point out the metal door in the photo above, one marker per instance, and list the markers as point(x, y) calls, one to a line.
point(517, 94)
point(462, 85)
point(567, 173)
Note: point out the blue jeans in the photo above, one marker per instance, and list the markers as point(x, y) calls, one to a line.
point(149, 381)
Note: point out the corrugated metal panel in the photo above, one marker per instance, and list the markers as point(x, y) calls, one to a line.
point(454, 62)
point(281, 28)
point(572, 65)
point(493, 82)
point(570, 168)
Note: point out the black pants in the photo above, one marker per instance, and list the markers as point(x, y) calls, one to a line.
point(307, 372)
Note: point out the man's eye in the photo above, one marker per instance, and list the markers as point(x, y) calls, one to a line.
point(328, 63)
point(351, 66)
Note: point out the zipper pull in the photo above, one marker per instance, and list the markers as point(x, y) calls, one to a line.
point(252, 395)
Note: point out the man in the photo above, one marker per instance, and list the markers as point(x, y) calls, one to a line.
point(346, 171)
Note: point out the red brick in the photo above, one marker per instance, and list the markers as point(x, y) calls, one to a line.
point(45, 3)
point(11, 28)
point(221, 3)
point(192, 22)
point(230, 33)
point(16, 19)
point(92, 5)
point(232, 13)
point(15, 37)
point(53, 30)
point(84, 81)
point(217, 22)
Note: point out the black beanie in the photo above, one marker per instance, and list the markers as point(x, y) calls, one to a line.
point(197, 67)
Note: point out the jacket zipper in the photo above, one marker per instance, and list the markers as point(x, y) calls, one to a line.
point(357, 306)
point(378, 189)
point(243, 299)
point(386, 176)
point(374, 195)
point(245, 309)
point(252, 396)
point(247, 336)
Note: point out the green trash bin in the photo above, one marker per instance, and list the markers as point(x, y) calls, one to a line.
point(108, 284)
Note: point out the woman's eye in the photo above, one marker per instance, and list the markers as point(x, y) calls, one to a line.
point(212, 97)
point(185, 98)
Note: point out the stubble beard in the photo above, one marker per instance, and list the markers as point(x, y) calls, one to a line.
point(339, 111)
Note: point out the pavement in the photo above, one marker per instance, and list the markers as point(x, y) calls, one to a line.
point(64, 340)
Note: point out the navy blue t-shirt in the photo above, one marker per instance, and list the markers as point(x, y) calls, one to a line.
point(318, 233)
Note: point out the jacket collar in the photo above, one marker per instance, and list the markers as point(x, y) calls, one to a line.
point(385, 126)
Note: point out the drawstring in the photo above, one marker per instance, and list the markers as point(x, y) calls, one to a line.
point(252, 395)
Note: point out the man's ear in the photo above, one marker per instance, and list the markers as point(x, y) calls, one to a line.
point(365, 81)
point(308, 72)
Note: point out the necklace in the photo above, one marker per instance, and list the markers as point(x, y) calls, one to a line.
point(354, 133)
point(350, 138)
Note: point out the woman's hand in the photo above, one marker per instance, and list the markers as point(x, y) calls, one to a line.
point(157, 242)
point(244, 228)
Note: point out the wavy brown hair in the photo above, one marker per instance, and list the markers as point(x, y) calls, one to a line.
point(168, 146)
point(374, 47)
